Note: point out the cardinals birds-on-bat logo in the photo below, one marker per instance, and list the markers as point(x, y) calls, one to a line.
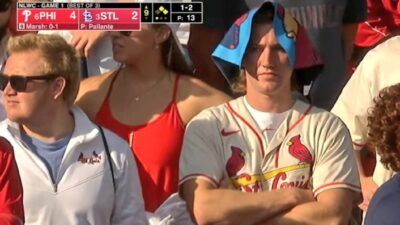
point(235, 162)
point(299, 151)
point(95, 158)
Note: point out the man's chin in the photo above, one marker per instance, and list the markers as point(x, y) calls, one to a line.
point(270, 89)
point(14, 118)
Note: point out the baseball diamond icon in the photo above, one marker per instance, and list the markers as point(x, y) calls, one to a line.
point(162, 10)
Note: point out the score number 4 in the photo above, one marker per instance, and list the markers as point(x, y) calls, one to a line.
point(73, 15)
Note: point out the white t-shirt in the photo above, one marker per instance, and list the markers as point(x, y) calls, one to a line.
point(266, 121)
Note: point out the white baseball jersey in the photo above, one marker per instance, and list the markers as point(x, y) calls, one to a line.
point(379, 69)
point(311, 149)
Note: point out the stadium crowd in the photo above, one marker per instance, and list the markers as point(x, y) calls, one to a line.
point(269, 112)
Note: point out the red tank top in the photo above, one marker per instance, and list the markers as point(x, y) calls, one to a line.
point(156, 146)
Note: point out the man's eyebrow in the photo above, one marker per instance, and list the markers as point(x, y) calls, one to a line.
point(255, 43)
point(276, 44)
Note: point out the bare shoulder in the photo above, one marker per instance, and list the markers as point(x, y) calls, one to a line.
point(92, 92)
point(195, 95)
point(193, 87)
point(95, 82)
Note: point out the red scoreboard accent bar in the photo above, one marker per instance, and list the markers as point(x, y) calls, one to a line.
point(78, 16)
point(47, 19)
point(109, 19)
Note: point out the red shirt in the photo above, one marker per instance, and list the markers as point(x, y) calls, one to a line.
point(11, 207)
point(156, 146)
point(383, 19)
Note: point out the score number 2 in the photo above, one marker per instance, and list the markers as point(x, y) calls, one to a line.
point(135, 15)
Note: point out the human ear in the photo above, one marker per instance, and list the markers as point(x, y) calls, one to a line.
point(58, 87)
point(162, 34)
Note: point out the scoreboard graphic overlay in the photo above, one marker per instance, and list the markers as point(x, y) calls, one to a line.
point(34, 16)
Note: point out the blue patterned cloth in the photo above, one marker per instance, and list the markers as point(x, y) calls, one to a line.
point(290, 34)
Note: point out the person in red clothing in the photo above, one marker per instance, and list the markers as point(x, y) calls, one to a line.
point(148, 102)
point(383, 20)
point(11, 207)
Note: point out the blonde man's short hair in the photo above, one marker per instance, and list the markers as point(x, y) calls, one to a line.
point(60, 58)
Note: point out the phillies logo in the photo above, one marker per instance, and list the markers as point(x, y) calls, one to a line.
point(95, 158)
point(280, 182)
point(299, 151)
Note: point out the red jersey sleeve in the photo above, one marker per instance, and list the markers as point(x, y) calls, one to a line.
point(11, 207)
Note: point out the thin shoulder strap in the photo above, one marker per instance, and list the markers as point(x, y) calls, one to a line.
point(108, 155)
point(115, 74)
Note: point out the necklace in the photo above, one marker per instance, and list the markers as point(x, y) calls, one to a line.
point(137, 98)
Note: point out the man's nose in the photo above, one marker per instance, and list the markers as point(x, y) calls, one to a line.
point(8, 90)
point(266, 57)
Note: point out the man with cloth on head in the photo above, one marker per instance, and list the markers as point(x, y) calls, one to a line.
point(290, 162)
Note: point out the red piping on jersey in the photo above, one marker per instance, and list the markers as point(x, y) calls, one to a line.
point(358, 145)
point(300, 119)
point(291, 128)
point(337, 183)
point(251, 128)
point(194, 175)
point(277, 156)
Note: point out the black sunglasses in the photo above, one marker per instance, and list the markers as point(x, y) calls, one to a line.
point(5, 5)
point(18, 82)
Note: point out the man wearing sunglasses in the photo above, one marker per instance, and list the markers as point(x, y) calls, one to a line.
point(72, 171)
